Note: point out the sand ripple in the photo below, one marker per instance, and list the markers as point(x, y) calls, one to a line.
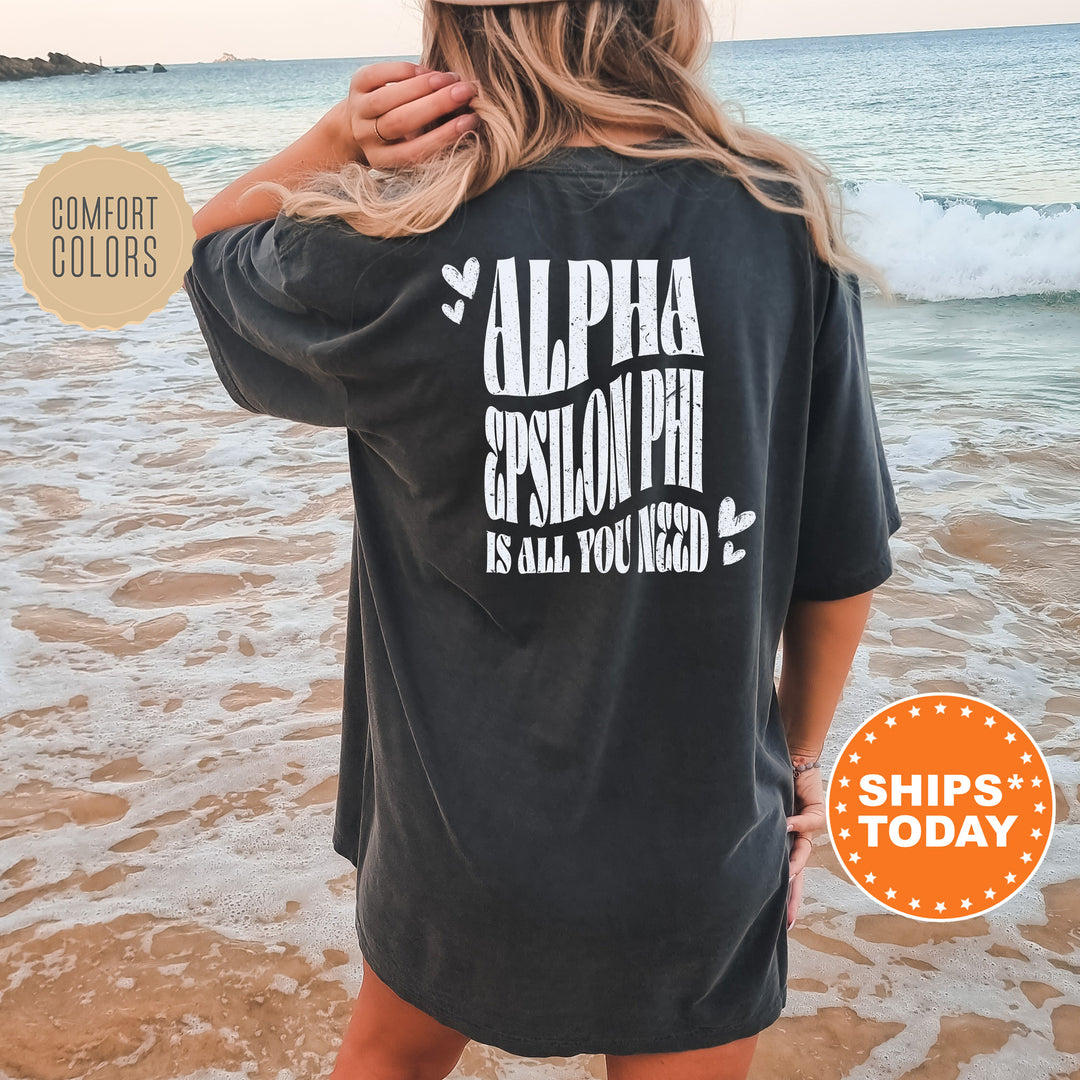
point(176, 996)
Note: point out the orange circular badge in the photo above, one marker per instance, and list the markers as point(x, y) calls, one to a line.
point(940, 807)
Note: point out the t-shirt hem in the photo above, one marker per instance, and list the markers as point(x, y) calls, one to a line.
point(842, 588)
point(564, 1044)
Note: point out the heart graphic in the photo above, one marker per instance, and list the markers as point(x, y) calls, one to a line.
point(463, 282)
point(730, 554)
point(454, 313)
point(728, 524)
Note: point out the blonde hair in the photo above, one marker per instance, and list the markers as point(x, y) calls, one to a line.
point(552, 71)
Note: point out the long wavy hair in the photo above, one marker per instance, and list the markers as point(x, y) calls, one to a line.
point(554, 71)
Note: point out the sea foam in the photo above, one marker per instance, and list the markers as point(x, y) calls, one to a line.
point(933, 247)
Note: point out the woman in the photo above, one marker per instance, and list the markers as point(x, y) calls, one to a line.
point(597, 349)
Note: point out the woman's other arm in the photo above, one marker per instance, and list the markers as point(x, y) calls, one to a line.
point(819, 638)
point(404, 97)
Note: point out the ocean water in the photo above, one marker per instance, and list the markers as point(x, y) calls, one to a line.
point(175, 573)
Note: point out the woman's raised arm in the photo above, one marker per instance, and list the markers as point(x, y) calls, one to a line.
point(404, 98)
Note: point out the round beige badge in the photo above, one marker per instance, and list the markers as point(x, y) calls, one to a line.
point(103, 237)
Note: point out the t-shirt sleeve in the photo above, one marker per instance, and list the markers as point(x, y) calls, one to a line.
point(849, 508)
point(245, 284)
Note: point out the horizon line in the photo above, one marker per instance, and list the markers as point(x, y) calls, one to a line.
point(715, 41)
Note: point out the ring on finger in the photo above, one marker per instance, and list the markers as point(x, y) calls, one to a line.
point(379, 134)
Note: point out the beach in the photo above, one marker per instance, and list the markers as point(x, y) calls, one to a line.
point(175, 588)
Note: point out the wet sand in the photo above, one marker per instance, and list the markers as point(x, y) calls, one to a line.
point(170, 903)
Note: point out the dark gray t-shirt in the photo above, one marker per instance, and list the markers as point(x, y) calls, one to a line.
point(603, 425)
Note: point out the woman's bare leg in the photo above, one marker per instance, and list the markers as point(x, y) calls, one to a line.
point(728, 1062)
point(389, 1039)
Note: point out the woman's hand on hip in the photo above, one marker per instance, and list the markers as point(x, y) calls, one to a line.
point(418, 112)
point(807, 821)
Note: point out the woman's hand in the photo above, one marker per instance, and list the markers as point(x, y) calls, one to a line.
point(405, 100)
point(808, 820)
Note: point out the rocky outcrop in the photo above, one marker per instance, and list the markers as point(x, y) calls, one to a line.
point(228, 58)
point(14, 67)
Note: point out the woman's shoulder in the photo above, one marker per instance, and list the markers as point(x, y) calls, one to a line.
point(579, 196)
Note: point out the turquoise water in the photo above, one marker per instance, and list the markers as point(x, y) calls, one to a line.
point(983, 114)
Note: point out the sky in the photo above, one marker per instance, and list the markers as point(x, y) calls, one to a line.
point(141, 32)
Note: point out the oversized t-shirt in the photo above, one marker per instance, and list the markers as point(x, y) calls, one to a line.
point(603, 425)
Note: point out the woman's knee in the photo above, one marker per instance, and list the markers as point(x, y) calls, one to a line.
point(730, 1061)
point(371, 1057)
point(390, 1039)
point(374, 1064)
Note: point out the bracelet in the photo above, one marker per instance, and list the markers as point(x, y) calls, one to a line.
point(796, 769)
